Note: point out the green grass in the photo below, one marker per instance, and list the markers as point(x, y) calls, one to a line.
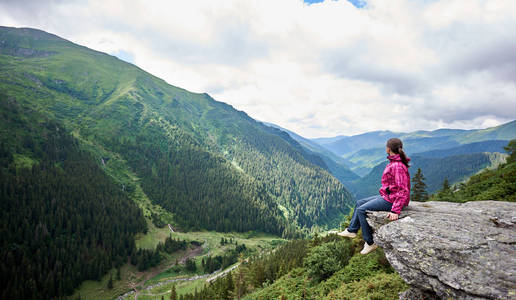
point(153, 236)
point(182, 287)
point(254, 241)
point(91, 289)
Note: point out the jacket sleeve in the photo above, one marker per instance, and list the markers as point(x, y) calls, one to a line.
point(400, 190)
point(384, 186)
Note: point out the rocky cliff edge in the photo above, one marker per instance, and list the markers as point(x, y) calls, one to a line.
point(450, 250)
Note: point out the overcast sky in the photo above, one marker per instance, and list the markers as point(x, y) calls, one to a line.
point(320, 69)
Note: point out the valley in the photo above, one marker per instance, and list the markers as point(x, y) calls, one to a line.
point(158, 281)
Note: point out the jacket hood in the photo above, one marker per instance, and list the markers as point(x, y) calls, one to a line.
point(396, 157)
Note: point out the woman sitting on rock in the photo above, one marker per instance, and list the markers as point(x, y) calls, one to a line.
point(394, 195)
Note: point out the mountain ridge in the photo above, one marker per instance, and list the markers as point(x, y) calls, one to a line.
point(140, 119)
point(364, 151)
point(335, 164)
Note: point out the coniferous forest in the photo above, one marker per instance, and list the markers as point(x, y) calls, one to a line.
point(63, 220)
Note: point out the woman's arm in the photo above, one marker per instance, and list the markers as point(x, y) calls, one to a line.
point(399, 192)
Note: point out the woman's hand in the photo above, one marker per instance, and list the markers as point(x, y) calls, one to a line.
point(392, 216)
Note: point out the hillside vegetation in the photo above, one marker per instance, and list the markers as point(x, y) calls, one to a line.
point(330, 267)
point(206, 164)
point(63, 220)
point(94, 150)
point(492, 184)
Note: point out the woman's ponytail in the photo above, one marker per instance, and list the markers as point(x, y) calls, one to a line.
point(403, 157)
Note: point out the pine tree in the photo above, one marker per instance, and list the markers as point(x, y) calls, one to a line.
point(445, 194)
point(419, 192)
point(173, 293)
point(446, 186)
point(240, 283)
point(190, 265)
point(229, 287)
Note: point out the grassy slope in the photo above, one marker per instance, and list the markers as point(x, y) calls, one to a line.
point(497, 184)
point(99, 98)
point(34, 81)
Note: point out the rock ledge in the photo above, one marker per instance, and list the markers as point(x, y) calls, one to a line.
point(452, 250)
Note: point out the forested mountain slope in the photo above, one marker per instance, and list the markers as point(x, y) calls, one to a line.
point(335, 164)
point(206, 163)
point(62, 219)
point(497, 184)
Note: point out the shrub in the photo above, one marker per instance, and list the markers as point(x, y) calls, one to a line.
point(381, 286)
point(326, 259)
point(359, 267)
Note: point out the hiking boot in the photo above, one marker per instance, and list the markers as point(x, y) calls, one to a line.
point(368, 248)
point(346, 233)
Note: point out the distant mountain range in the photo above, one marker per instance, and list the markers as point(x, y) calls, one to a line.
point(444, 153)
point(364, 151)
point(455, 168)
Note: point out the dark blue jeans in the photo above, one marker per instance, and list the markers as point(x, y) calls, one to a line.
point(359, 215)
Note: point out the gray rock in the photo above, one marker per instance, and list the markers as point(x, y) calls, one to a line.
point(417, 294)
point(453, 250)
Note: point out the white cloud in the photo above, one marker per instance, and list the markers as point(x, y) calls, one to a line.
point(320, 70)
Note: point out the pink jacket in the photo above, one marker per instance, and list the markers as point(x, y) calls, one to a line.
point(397, 178)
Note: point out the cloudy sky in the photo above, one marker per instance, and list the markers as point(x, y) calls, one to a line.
point(320, 69)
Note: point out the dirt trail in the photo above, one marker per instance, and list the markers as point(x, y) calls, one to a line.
point(159, 269)
point(196, 251)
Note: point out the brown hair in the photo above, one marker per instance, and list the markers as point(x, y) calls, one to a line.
point(396, 146)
